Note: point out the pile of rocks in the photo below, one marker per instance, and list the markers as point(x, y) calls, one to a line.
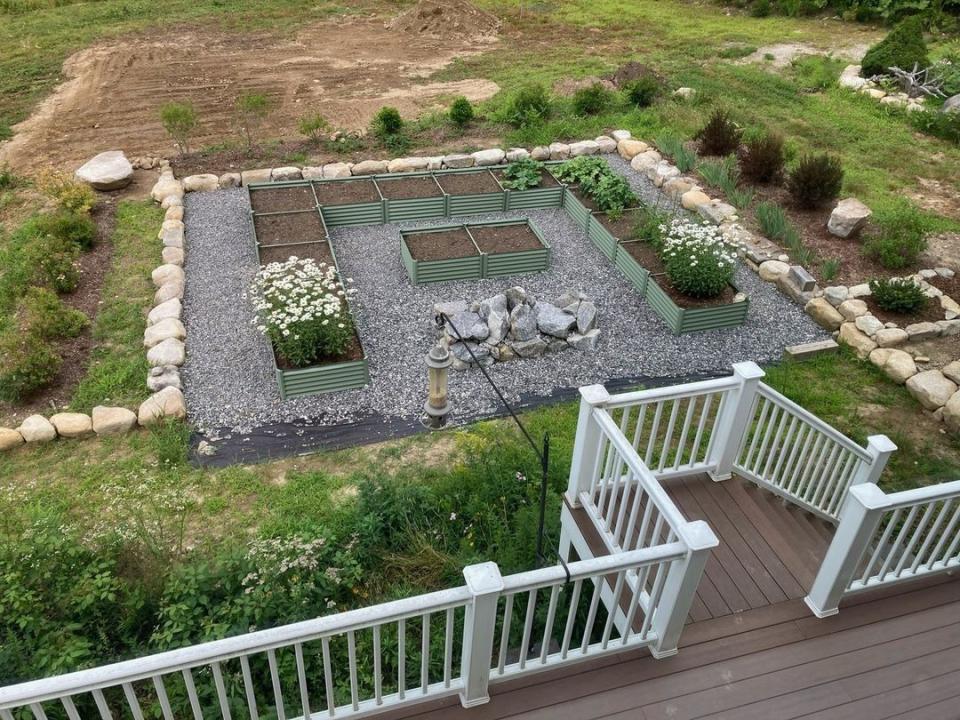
point(515, 324)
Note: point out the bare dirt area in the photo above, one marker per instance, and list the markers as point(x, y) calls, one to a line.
point(344, 69)
point(780, 55)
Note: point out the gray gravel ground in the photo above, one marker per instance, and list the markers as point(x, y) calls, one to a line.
point(229, 379)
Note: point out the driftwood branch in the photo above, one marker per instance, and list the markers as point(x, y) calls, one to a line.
point(918, 81)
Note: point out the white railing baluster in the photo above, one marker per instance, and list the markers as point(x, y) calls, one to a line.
point(930, 535)
point(881, 544)
point(701, 425)
point(571, 619)
point(915, 534)
point(302, 679)
point(377, 666)
point(425, 653)
point(668, 437)
point(161, 691)
point(38, 711)
point(528, 627)
point(654, 429)
point(328, 677)
point(548, 628)
point(505, 633)
point(221, 691)
point(191, 694)
point(682, 442)
point(896, 549)
point(352, 666)
point(613, 609)
point(104, 709)
point(71, 709)
point(248, 688)
point(935, 556)
point(448, 649)
point(591, 616)
point(275, 683)
point(401, 658)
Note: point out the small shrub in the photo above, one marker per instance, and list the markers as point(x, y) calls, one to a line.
point(945, 125)
point(522, 174)
point(651, 225)
point(613, 194)
point(903, 47)
point(461, 111)
point(180, 121)
point(643, 91)
point(70, 194)
point(71, 226)
point(8, 180)
point(720, 136)
point(898, 295)
point(696, 258)
point(53, 261)
point(27, 364)
point(829, 269)
point(760, 8)
point(683, 157)
point(386, 123)
point(763, 158)
point(815, 181)
point(591, 100)
point(528, 106)
point(41, 313)
point(301, 305)
point(314, 127)
point(899, 236)
point(252, 110)
point(773, 220)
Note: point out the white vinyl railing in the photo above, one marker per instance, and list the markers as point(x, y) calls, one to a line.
point(883, 539)
point(798, 456)
point(364, 661)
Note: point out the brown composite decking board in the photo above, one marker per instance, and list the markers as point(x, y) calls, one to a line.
point(890, 652)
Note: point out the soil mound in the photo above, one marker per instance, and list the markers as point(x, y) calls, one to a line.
point(631, 71)
point(456, 19)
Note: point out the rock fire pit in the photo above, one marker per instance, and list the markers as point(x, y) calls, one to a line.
point(515, 324)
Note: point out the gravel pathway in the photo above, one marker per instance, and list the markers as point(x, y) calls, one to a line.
point(229, 380)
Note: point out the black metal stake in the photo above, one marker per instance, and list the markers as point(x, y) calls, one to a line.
point(542, 455)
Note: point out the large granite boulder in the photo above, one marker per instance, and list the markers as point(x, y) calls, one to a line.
point(107, 171)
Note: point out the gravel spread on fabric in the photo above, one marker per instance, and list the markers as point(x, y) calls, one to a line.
point(229, 377)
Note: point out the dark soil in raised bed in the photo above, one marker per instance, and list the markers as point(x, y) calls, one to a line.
point(441, 245)
point(930, 312)
point(346, 192)
point(623, 228)
point(645, 254)
point(319, 251)
point(289, 228)
point(475, 183)
point(354, 351)
point(409, 188)
point(493, 239)
point(282, 199)
point(585, 199)
point(546, 179)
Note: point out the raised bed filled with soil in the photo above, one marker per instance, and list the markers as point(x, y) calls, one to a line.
point(351, 201)
point(547, 194)
point(473, 251)
point(268, 198)
point(682, 313)
point(414, 197)
point(471, 192)
point(290, 228)
point(346, 372)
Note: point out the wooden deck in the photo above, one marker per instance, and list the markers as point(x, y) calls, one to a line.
point(752, 649)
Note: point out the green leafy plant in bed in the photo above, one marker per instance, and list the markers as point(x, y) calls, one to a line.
point(697, 260)
point(613, 194)
point(609, 189)
point(898, 295)
point(584, 171)
point(898, 237)
point(522, 174)
point(301, 305)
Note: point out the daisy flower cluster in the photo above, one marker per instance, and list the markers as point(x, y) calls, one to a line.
point(697, 259)
point(301, 305)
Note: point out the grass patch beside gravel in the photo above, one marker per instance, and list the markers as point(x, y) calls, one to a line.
point(118, 367)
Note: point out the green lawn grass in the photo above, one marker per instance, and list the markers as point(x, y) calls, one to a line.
point(118, 366)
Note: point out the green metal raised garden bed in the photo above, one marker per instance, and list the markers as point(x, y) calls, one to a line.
point(477, 265)
point(316, 379)
point(686, 320)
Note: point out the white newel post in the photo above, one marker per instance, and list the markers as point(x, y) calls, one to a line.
point(586, 445)
point(860, 516)
point(735, 418)
point(880, 448)
point(479, 626)
point(680, 588)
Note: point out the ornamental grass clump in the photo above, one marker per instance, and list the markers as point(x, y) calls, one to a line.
point(697, 260)
point(301, 305)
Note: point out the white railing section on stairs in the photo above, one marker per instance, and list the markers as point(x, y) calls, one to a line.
point(364, 661)
point(885, 538)
point(798, 456)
